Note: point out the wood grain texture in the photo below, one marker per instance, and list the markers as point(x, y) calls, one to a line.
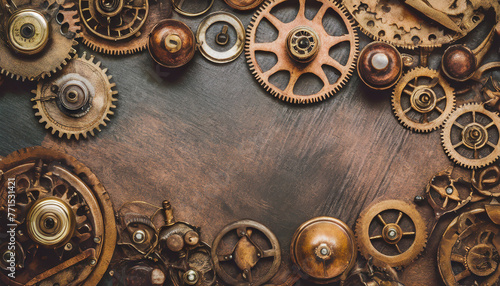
point(212, 141)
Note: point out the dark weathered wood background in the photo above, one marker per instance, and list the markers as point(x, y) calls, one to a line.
point(220, 148)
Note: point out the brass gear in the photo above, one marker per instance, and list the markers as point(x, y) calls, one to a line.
point(302, 47)
point(392, 232)
point(422, 100)
point(396, 23)
point(126, 33)
point(466, 136)
point(50, 28)
point(76, 101)
point(62, 213)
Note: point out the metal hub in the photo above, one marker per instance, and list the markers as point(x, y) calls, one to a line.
point(474, 136)
point(191, 277)
point(28, 32)
point(109, 8)
point(51, 222)
point(323, 251)
point(74, 95)
point(139, 236)
point(303, 44)
point(392, 233)
point(173, 43)
point(483, 259)
point(423, 99)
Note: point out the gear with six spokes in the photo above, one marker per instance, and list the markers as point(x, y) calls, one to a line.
point(36, 37)
point(76, 101)
point(302, 48)
point(470, 136)
point(422, 100)
point(392, 232)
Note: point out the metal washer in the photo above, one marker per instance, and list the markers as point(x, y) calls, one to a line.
point(213, 55)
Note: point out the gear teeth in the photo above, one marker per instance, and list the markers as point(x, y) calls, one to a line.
point(54, 126)
point(448, 146)
point(402, 85)
point(256, 71)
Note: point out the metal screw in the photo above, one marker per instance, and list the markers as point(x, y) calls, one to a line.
point(323, 251)
point(68, 247)
point(392, 233)
point(93, 262)
point(449, 190)
point(97, 239)
point(418, 199)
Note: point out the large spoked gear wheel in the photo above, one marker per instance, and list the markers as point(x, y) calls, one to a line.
point(470, 136)
point(392, 232)
point(37, 37)
point(302, 48)
point(422, 100)
point(77, 101)
point(119, 27)
point(64, 220)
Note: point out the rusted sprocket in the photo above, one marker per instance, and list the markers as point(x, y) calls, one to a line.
point(46, 41)
point(422, 100)
point(392, 232)
point(470, 136)
point(301, 47)
point(129, 24)
point(77, 101)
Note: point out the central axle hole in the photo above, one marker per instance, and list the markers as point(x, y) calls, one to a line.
point(27, 30)
point(303, 43)
point(49, 223)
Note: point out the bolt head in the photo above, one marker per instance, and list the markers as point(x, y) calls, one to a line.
point(449, 190)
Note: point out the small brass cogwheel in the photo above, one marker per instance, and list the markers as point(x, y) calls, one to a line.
point(302, 48)
point(36, 37)
point(422, 100)
point(76, 101)
point(392, 232)
point(470, 136)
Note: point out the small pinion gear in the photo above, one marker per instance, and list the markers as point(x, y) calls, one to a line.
point(422, 100)
point(77, 100)
point(302, 47)
point(470, 136)
point(392, 232)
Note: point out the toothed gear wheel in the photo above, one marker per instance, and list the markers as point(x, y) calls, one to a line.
point(119, 27)
point(422, 100)
point(36, 38)
point(470, 136)
point(392, 232)
point(302, 47)
point(77, 101)
point(399, 24)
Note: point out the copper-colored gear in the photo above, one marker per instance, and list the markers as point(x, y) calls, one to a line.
point(467, 138)
point(77, 101)
point(396, 23)
point(422, 100)
point(48, 184)
point(392, 232)
point(116, 41)
point(297, 60)
point(62, 27)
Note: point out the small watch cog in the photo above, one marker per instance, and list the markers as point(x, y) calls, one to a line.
point(120, 27)
point(77, 100)
point(470, 136)
point(45, 39)
point(397, 23)
point(422, 100)
point(302, 47)
point(392, 232)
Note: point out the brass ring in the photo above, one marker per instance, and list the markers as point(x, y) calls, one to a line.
point(189, 14)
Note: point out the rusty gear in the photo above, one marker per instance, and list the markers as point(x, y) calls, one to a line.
point(399, 24)
point(467, 138)
point(51, 29)
point(468, 253)
point(62, 212)
point(77, 101)
point(119, 27)
point(392, 232)
point(302, 47)
point(487, 181)
point(422, 100)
